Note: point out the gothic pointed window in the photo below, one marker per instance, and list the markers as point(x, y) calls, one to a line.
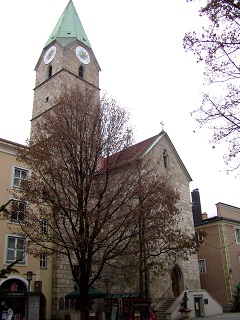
point(49, 71)
point(80, 72)
point(166, 159)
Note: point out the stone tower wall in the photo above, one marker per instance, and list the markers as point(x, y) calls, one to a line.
point(65, 58)
point(65, 66)
point(62, 282)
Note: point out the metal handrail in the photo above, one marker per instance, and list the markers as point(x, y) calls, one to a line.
point(162, 296)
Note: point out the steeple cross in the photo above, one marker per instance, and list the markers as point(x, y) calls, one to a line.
point(162, 124)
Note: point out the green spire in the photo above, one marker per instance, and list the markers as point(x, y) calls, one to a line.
point(68, 28)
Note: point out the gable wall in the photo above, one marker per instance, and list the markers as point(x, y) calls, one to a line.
point(227, 211)
point(221, 253)
point(180, 180)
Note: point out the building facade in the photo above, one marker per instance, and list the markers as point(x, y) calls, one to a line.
point(67, 61)
point(13, 246)
point(219, 256)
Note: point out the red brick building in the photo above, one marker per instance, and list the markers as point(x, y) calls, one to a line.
point(219, 256)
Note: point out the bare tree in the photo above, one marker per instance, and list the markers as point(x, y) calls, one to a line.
point(9, 270)
point(85, 194)
point(3, 208)
point(218, 47)
point(161, 239)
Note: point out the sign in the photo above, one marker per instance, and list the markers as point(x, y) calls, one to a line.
point(120, 305)
point(14, 288)
point(114, 313)
point(38, 286)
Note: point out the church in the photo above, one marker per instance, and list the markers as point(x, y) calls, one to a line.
point(68, 61)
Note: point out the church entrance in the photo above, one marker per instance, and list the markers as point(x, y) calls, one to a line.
point(176, 278)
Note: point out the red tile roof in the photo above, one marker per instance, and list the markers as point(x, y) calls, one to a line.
point(129, 154)
point(11, 142)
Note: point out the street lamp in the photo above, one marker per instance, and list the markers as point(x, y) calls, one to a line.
point(29, 275)
point(108, 307)
point(106, 281)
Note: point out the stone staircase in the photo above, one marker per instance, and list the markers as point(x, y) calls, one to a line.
point(162, 311)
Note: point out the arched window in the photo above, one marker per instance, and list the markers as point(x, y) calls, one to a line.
point(166, 159)
point(50, 71)
point(80, 72)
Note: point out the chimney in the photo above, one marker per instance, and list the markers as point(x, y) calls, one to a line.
point(204, 216)
point(196, 207)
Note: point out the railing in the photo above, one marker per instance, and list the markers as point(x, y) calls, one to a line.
point(162, 296)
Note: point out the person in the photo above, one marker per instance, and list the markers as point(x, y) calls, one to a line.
point(183, 303)
point(9, 314)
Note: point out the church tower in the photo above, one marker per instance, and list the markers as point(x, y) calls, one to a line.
point(67, 61)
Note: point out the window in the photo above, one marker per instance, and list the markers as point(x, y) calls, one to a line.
point(44, 225)
point(18, 210)
point(199, 235)
point(237, 233)
point(80, 72)
point(166, 159)
point(16, 249)
point(19, 175)
point(50, 71)
point(202, 266)
point(43, 261)
point(76, 271)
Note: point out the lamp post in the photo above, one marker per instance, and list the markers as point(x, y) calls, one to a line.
point(29, 275)
point(108, 307)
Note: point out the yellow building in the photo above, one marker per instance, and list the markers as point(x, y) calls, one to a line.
point(13, 247)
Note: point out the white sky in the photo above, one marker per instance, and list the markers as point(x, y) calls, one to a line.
point(138, 45)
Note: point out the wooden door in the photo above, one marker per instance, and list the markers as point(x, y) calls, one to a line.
point(175, 282)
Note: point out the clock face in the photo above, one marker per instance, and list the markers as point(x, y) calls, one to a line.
point(82, 55)
point(50, 54)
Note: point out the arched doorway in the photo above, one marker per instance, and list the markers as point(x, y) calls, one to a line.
point(42, 310)
point(15, 296)
point(177, 281)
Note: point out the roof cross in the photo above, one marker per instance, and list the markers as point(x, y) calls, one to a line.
point(162, 124)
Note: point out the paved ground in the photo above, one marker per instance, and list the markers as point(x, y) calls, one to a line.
point(224, 316)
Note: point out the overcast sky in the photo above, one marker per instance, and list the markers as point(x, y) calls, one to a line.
point(138, 45)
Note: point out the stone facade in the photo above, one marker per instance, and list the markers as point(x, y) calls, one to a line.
point(64, 75)
point(186, 271)
point(185, 274)
point(62, 282)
